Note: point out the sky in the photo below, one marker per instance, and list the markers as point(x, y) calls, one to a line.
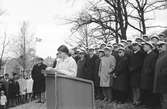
point(45, 18)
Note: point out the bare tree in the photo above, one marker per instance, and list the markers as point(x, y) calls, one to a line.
point(5, 43)
point(109, 19)
point(143, 7)
point(23, 44)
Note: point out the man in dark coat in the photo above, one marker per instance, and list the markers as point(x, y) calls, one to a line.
point(81, 69)
point(147, 75)
point(160, 80)
point(39, 79)
point(92, 66)
point(120, 84)
point(135, 65)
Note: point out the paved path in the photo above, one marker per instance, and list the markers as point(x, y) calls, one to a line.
point(31, 105)
point(99, 105)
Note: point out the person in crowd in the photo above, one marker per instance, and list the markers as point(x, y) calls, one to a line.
point(39, 80)
point(92, 66)
point(66, 65)
point(102, 46)
point(13, 91)
point(3, 100)
point(139, 40)
point(76, 55)
point(124, 42)
point(135, 65)
point(29, 82)
point(147, 75)
point(2, 85)
point(6, 84)
point(146, 38)
point(101, 53)
point(120, 83)
point(81, 69)
point(107, 66)
point(100, 95)
point(22, 85)
point(129, 42)
point(160, 78)
point(155, 40)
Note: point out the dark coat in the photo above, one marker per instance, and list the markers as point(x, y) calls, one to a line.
point(92, 65)
point(160, 80)
point(2, 86)
point(135, 66)
point(121, 81)
point(81, 68)
point(147, 74)
point(14, 89)
point(39, 78)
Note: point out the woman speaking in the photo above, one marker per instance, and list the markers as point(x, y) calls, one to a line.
point(65, 65)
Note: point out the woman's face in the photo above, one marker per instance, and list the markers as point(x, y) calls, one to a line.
point(61, 54)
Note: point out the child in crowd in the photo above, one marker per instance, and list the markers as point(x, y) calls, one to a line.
point(23, 86)
point(3, 100)
point(29, 82)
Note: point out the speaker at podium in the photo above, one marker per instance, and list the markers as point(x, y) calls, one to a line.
point(65, 92)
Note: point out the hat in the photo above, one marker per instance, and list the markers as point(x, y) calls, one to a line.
point(101, 50)
point(139, 39)
point(121, 44)
point(107, 48)
point(149, 43)
point(144, 35)
point(134, 43)
point(110, 46)
point(129, 40)
point(161, 43)
point(91, 48)
point(123, 41)
point(155, 37)
point(103, 44)
point(121, 48)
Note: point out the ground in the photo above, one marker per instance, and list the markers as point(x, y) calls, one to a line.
point(99, 105)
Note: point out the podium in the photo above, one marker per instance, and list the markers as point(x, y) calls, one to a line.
point(65, 92)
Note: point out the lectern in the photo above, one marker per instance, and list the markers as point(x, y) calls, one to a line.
point(65, 92)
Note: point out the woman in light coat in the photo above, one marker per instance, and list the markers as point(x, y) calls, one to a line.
point(107, 66)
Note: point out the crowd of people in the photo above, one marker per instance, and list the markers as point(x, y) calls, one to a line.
point(129, 71)
point(16, 90)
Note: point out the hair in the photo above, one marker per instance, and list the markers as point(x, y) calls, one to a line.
point(40, 59)
point(63, 49)
point(6, 74)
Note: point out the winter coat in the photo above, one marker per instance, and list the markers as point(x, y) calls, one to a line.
point(160, 79)
point(39, 78)
point(147, 73)
point(121, 71)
